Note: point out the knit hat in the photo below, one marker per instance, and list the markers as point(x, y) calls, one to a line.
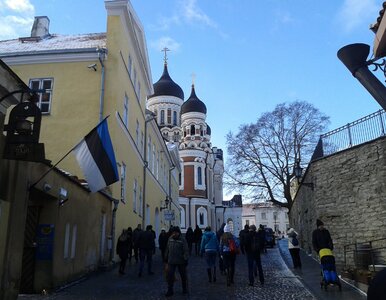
point(319, 223)
point(227, 228)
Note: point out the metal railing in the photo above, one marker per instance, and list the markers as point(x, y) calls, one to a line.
point(365, 255)
point(355, 133)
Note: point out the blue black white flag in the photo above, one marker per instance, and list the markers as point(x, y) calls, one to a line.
point(95, 156)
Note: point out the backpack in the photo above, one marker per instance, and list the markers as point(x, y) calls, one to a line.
point(295, 241)
point(255, 244)
point(233, 247)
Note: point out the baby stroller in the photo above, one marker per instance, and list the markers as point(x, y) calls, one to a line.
point(329, 275)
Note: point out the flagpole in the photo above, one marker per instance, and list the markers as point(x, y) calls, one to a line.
point(72, 149)
point(51, 168)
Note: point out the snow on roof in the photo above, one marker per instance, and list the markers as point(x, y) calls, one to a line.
point(53, 42)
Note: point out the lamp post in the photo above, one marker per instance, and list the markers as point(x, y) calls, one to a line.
point(298, 172)
point(166, 206)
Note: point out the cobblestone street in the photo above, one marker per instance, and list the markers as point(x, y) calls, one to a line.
point(280, 283)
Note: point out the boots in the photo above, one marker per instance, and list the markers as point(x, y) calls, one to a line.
point(209, 274)
point(214, 274)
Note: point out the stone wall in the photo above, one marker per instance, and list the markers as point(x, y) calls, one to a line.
point(349, 196)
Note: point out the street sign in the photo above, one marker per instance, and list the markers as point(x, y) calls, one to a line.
point(169, 215)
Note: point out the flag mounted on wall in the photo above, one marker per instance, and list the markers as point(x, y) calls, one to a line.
point(95, 156)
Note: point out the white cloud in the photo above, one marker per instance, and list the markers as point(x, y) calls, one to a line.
point(193, 14)
point(355, 13)
point(19, 5)
point(167, 42)
point(16, 18)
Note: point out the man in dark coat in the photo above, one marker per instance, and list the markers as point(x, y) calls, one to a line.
point(162, 242)
point(136, 233)
point(146, 245)
point(219, 234)
point(123, 250)
point(252, 246)
point(177, 254)
point(321, 237)
point(243, 233)
point(197, 239)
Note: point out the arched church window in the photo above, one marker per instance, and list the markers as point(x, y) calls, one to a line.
point(202, 131)
point(201, 219)
point(174, 118)
point(162, 117)
point(192, 130)
point(169, 116)
point(199, 176)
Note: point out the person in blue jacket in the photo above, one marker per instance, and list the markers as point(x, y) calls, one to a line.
point(210, 247)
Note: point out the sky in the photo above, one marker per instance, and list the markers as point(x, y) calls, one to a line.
point(247, 55)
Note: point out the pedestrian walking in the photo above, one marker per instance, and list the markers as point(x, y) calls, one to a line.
point(210, 248)
point(242, 235)
point(136, 233)
point(130, 239)
point(197, 239)
point(321, 238)
point(252, 250)
point(263, 240)
point(219, 234)
point(229, 247)
point(122, 250)
point(294, 248)
point(177, 254)
point(146, 245)
point(189, 236)
point(162, 242)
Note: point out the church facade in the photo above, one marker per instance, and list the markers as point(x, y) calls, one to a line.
point(183, 123)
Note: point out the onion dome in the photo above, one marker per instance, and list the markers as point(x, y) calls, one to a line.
point(165, 86)
point(208, 130)
point(193, 104)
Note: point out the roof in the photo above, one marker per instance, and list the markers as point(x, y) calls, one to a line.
point(165, 86)
point(53, 43)
point(193, 104)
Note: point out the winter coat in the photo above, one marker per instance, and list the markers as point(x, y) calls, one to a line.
point(136, 234)
point(163, 240)
point(197, 235)
point(177, 251)
point(224, 242)
point(123, 246)
point(209, 242)
point(292, 234)
point(189, 236)
point(321, 238)
point(249, 241)
point(146, 240)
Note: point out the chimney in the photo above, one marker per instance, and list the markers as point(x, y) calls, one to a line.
point(41, 27)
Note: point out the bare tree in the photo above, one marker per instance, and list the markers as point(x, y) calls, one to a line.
point(262, 154)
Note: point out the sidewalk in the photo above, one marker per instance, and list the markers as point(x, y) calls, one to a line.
point(310, 276)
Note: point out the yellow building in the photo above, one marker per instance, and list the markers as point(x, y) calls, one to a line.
point(86, 78)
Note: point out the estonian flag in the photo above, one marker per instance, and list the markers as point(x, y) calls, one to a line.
point(96, 158)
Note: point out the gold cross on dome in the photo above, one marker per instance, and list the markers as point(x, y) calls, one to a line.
point(165, 55)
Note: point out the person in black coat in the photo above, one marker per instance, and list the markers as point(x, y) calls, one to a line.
point(197, 239)
point(162, 242)
point(146, 245)
point(252, 246)
point(130, 238)
point(122, 250)
point(189, 237)
point(321, 238)
point(243, 233)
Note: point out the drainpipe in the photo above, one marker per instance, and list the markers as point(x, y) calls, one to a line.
point(354, 58)
point(113, 218)
point(102, 52)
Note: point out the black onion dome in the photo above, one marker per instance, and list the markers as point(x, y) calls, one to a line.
point(193, 104)
point(208, 130)
point(165, 86)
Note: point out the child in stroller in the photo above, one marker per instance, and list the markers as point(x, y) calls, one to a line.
point(329, 275)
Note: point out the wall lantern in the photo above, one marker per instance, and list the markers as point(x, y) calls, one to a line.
point(166, 203)
point(298, 172)
point(23, 130)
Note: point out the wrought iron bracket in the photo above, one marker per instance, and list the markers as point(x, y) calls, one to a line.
point(381, 65)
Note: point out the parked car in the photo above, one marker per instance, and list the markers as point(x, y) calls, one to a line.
point(269, 237)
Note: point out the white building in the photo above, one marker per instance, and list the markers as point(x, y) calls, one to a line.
point(267, 214)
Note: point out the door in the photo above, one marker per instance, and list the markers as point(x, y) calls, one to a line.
point(29, 252)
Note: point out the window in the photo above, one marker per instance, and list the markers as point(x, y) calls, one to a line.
point(139, 91)
point(174, 118)
point(137, 134)
point(201, 219)
point(123, 183)
point(44, 99)
point(202, 131)
point(192, 129)
point(135, 195)
point(149, 152)
point(162, 117)
point(263, 216)
point(130, 64)
point(126, 110)
point(169, 116)
point(73, 240)
point(199, 176)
